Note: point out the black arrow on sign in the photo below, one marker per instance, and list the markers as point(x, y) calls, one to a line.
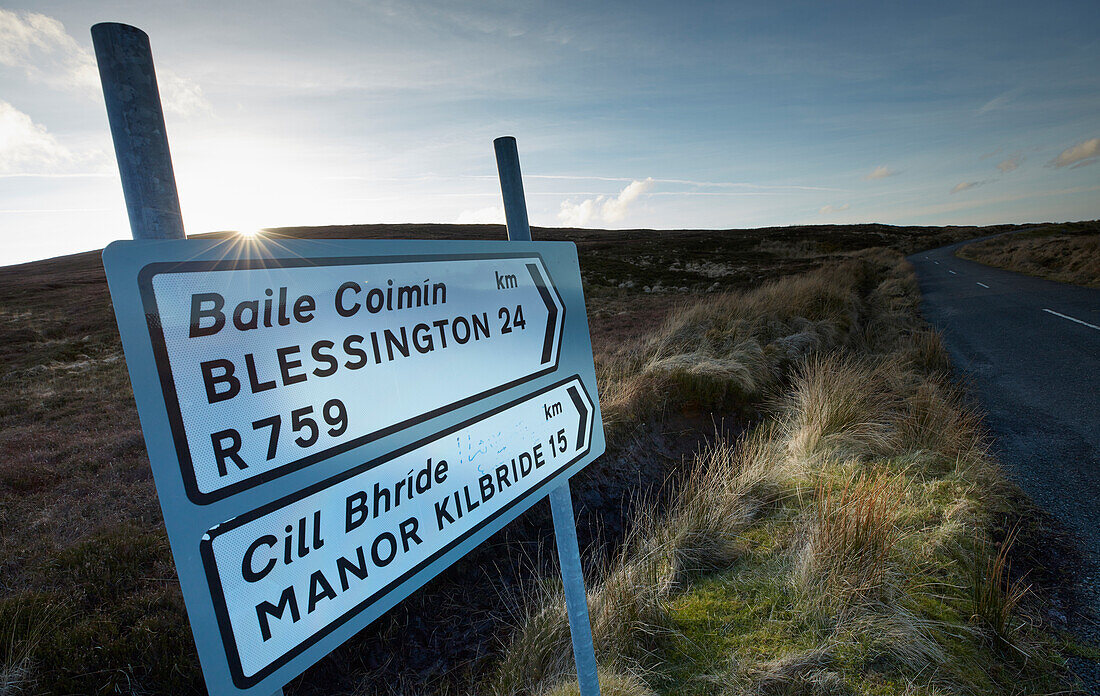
point(548, 342)
point(583, 410)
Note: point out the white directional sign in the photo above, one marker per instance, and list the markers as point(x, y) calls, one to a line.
point(244, 351)
point(332, 423)
point(284, 574)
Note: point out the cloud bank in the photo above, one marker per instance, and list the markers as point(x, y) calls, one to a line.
point(40, 47)
point(28, 146)
point(828, 209)
point(604, 209)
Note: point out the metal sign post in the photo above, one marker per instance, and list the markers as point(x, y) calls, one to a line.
point(137, 128)
point(136, 119)
point(332, 423)
point(561, 502)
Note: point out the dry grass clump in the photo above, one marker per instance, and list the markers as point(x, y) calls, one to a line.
point(22, 630)
point(838, 407)
point(732, 350)
point(846, 560)
point(926, 351)
point(935, 420)
point(996, 596)
point(722, 495)
point(898, 634)
point(804, 672)
point(1069, 253)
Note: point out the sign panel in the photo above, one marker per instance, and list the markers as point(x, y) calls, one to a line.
point(330, 424)
point(242, 349)
point(284, 574)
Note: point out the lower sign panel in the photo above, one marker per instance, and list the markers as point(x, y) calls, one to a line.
point(286, 575)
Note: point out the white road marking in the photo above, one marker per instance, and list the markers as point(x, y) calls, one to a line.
point(1085, 323)
point(984, 285)
point(953, 273)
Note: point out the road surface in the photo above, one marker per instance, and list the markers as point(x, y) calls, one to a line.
point(1029, 349)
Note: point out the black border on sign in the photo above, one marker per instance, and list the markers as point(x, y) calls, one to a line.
point(214, 581)
point(168, 385)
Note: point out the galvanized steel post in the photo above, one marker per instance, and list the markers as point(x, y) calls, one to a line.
point(561, 502)
point(137, 128)
point(511, 189)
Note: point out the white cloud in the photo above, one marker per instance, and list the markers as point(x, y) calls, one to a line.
point(46, 53)
point(967, 185)
point(40, 47)
point(1080, 155)
point(880, 172)
point(181, 96)
point(1011, 163)
point(604, 209)
point(828, 209)
point(493, 215)
point(28, 146)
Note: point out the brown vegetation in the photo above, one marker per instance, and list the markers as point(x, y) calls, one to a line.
point(1067, 253)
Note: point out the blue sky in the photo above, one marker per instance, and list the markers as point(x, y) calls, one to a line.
point(637, 114)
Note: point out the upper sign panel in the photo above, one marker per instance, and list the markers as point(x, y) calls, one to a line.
point(267, 366)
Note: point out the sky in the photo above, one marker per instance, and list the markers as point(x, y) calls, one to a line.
point(627, 115)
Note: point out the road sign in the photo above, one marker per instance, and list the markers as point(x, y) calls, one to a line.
point(141, 147)
point(353, 537)
point(331, 423)
point(245, 348)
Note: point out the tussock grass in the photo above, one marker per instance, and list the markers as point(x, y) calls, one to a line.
point(844, 539)
point(926, 351)
point(24, 628)
point(731, 352)
point(846, 559)
point(803, 672)
point(838, 407)
point(995, 594)
point(627, 604)
point(936, 421)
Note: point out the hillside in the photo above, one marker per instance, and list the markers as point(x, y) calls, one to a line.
point(747, 330)
point(1068, 253)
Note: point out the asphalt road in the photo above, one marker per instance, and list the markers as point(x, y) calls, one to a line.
point(1030, 351)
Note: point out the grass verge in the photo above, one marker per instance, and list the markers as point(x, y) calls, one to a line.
point(1067, 253)
point(852, 542)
